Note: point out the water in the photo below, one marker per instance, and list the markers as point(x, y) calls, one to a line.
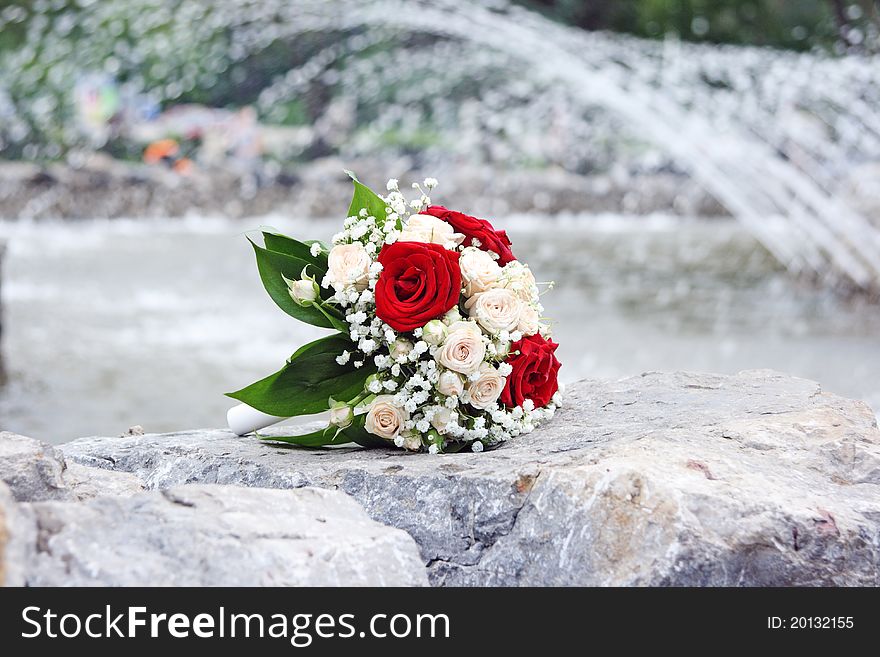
point(775, 136)
point(110, 324)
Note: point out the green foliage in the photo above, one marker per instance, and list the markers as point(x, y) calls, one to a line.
point(305, 384)
point(355, 433)
point(274, 267)
point(797, 25)
point(365, 198)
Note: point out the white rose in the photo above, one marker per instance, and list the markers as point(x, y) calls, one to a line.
point(502, 349)
point(434, 332)
point(425, 228)
point(486, 389)
point(302, 291)
point(452, 316)
point(348, 265)
point(412, 442)
point(463, 350)
point(479, 272)
point(520, 280)
point(400, 347)
point(450, 384)
point(442, 417)
point(529, 321)
point(384, 419)
point(495, 310)
point(341, 416)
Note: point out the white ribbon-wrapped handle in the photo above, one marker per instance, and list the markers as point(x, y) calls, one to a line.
point(243, 419)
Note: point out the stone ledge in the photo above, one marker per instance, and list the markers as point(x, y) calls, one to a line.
point(203, 535)
point(662, 479)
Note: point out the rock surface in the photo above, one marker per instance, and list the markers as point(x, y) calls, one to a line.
point(17, 533)
point(31, 469)
point(212, 535)
point(35, 471)
point(662, 479)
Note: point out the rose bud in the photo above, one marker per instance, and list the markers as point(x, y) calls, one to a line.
point(341, 415)
point(434, 332)
point(450, 384)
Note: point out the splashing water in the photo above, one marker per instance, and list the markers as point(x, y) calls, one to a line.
point(773, 135)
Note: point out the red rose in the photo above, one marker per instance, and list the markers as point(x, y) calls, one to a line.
point(419, 282)
point(535, 369)
point(479, 229)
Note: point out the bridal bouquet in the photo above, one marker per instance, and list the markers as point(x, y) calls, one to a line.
point(438, 345)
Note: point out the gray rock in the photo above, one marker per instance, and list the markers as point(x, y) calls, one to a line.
point(32, 469)
point(213, 535)
point(87, 483)
point(17, 534)
point(662, 479)
point(35, 471)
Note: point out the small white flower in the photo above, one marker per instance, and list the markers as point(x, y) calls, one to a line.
point(315, 249)
point(477, 446)
point(343, 358)
point(433, 449)
point(392, 185)
point(431, 183)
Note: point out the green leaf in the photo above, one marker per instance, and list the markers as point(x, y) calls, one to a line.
point(301, 250)
point(274, 267)
point(327, 436)
point(364, 197)
point(330, 435)
point(304, 386)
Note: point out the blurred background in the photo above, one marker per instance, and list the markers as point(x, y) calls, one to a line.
point(701, 178)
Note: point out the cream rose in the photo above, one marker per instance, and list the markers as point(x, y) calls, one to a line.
point(384, 419)
point(520, 280)
point(341, 416)
point(486, 389)
point(463, 350)
point(479, 272)
point(302, 291)
point(434, 332)
point(347, 266)
point(442, 417)
point(495, 310)
point(529, 321)
point(412, 442)
point(400, 348)
point(450, 384)
point(425, 228)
